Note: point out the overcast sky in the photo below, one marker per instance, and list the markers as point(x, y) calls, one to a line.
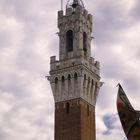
point(27, 40)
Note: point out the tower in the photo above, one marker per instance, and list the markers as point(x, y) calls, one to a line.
point(75, 77)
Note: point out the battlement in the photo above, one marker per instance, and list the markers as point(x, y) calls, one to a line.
point(77, 11)
point(56, 65)
point(92, 61)
point(74, 15)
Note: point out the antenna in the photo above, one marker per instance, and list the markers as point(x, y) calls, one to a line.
point(61, 4)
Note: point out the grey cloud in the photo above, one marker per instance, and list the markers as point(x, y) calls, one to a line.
point(109, 121)
point(25, 50)
point(24, 66)
point(110, 20)
point(135, 11)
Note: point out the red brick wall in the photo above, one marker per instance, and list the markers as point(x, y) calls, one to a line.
point(77, 123)
point(87, 122)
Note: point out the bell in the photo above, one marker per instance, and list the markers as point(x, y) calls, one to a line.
point(75, 3)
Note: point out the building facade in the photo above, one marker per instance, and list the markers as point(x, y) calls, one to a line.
point(75, 77)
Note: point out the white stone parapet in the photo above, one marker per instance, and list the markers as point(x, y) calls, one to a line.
point(75, 78)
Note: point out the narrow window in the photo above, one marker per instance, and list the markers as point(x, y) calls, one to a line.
point(56, 80)
point(63, 86)
point(87, 110)
point(67, 108)
point(88, 86)
point(85, 77)
point(75, 76)
point(63, 79)
point(69, 85)
point(69, 77)
point(69, 40)
point(75, 83)
point(84, 85)
point(56, 85)
point(85, 42)
point(92, 86)
point(92, 82)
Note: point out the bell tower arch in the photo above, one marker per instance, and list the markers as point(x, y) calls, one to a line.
point(75, 30)
point(75, 77)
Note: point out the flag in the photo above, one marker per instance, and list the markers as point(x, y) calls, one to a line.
point(130, 118)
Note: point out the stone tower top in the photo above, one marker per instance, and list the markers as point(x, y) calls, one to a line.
point(76, 74)
point(77, 25)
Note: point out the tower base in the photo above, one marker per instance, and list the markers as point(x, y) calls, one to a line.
point(74, 120)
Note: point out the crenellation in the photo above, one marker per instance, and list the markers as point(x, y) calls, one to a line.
point(61, 65)
point(69, 11)
point(78, 10)
point(60, 14)
point(85, 13)
point(52, 59)
point(79, 14)
point(97, 64)
point(90, 18)
point(92, 61)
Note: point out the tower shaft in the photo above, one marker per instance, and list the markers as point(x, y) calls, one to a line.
point(74, 120)
point(75, 77)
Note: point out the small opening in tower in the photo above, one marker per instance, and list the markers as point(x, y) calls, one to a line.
point(56, 80)
point(67, 107)
point(85, 77)
point(69, 77)
point(92, 82)
point(63, 79)
point(75, 76)
point(85, 42)
point(87, 110)
point(69, 40)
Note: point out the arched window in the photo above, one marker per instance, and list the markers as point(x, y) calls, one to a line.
point(85, 42)
point(69, 77)
point(85, 77)
point(56, 86)
point(75, 76)
point(69, 85)
point(56, 80)
point(92, 82)
point(88, 86)
point(69, 40)
point(92, 88)
point(63, 85)
point(63, 79)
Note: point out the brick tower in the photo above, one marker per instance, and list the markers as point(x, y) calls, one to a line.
point(74, 78)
